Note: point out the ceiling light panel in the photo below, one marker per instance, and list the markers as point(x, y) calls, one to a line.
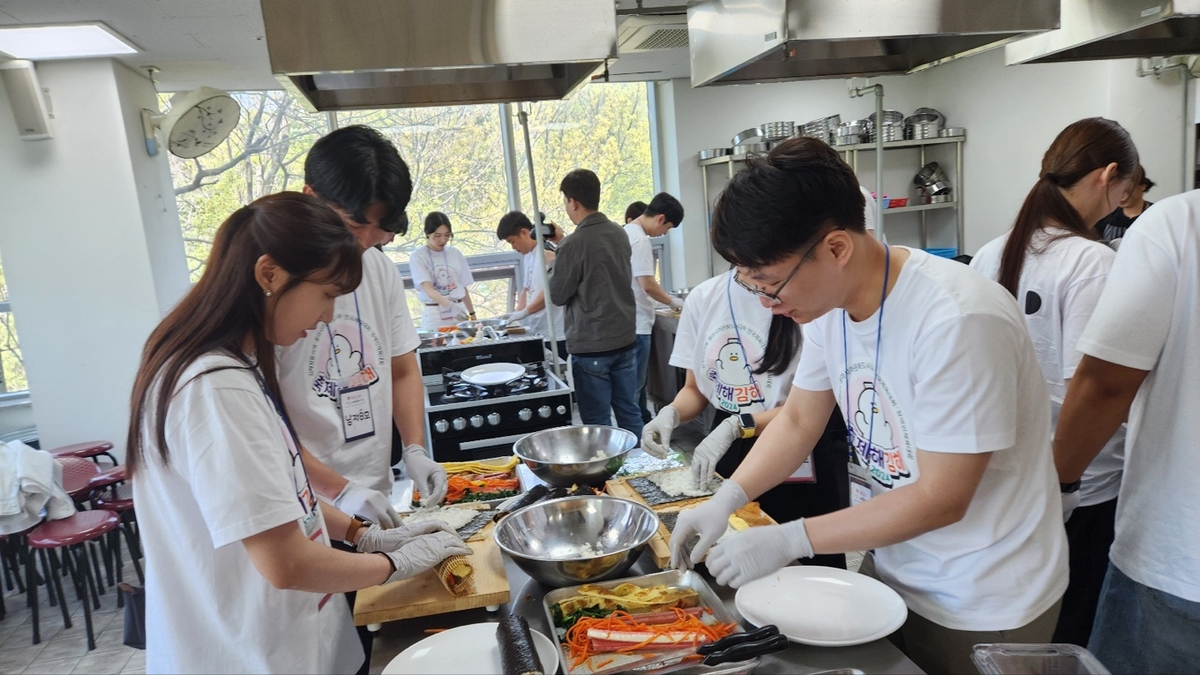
point(74, 41)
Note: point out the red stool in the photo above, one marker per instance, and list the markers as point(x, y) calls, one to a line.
point(71, 534)
point(119, 500)
point(78, 474)
point(91, 449)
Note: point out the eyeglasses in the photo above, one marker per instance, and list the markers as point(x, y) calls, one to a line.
point(774, 297)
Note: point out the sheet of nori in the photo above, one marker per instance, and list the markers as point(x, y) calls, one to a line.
point(475, 525)
point(653, 495)
point(517, 653)
point(669, 520)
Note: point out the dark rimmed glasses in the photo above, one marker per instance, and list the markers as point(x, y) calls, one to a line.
point(774, 296)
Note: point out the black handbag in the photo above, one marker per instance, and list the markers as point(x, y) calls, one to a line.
point(135, 615)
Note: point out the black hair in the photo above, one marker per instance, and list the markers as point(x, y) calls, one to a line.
point(1078, 150)
point(783, 202)
point(665, 205)
point(511, 224)
point(436, 219)
point(1140, 178)
point(634, 210)
point(355, 167)
point(783, 343)
point(584, 187)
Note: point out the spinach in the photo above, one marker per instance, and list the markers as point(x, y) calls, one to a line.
point(566, 621)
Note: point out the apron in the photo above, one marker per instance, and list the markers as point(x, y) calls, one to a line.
point(435, 317)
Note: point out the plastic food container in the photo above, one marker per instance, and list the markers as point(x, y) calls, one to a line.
point(898, 202)
point(1035, 659)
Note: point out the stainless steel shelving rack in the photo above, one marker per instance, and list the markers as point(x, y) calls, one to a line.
point(850, 153)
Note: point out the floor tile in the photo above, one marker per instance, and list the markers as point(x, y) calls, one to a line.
point(137, 661)
point(103, 663)
point(52, 667)
point(111, 640)
point(15, 660)
point(67, 644)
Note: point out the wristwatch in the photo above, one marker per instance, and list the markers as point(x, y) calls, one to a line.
point(747, 425)
point(356, 523)
point(1068, 488)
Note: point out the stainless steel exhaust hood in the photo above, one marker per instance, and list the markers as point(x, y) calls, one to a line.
point(1114, 29)
point(404, 53)
point(744, 41)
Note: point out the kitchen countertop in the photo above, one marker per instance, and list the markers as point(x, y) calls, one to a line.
point(879, 656)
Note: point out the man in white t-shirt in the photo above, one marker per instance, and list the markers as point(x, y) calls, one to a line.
point(952, 482)
point(663, 213)
point(1141, 362)
point(345, 383)
point(516, 230)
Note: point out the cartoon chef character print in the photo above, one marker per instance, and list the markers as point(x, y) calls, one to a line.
point(443, 279)
point(873, 426)
point(733, 368)
point(344, 359)
point(338, 360)
point(735, 386)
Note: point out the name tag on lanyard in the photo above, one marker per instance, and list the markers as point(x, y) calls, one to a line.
point(358, 422)
point(860, 484)
point(807, 473)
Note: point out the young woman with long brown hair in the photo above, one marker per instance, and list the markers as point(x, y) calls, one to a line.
point(239, 570)
point(1055, 266)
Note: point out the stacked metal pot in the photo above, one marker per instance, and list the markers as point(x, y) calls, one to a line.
point(932, 185)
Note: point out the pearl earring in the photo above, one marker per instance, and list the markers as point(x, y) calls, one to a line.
point(267, 293)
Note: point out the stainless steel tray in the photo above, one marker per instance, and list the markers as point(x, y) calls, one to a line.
point(663, 660)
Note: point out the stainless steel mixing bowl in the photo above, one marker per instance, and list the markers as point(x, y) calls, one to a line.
point(577, 540)
point(583, 455)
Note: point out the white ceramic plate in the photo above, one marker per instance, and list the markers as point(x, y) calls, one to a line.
point(491, 374)
point(823, 606)
point(466, 650)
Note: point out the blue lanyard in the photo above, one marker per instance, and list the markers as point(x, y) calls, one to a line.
point(361, 343)
point(887, 268)
point(738, 334)
point(287, 423)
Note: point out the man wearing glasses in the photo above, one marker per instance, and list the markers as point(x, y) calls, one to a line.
point(952, 478)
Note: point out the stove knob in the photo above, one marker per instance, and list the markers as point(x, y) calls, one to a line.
point(525, 414)
point(493, 419)
point(544, 412)
point(561, 410)
point(459, 424)
point(476, 421)
point(442, 426)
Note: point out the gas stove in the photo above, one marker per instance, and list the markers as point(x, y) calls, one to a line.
point(467, 421)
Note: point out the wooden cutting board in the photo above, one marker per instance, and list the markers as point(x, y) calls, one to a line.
point(424, 595)
point(660, 543)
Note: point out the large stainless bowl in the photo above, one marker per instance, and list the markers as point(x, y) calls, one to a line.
point(577, 540)
point(583, 455)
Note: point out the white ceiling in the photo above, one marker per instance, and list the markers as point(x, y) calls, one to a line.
point(220, 43)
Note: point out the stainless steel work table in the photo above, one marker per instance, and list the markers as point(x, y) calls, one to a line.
point(879, 656)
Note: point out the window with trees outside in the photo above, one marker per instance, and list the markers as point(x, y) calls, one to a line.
point(457, 163)
point(12, 367)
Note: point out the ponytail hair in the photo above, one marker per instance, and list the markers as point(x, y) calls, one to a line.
point(1080, 149)
point(783, 342)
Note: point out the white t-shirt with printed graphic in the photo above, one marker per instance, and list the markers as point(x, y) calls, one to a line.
point(233, 473)
point(369, 327)
point(643, 266)
point(707, 344)
point(1147, 319)
point(447, 269)
point(1059, 288)
point(957, 373)
point(532, 284)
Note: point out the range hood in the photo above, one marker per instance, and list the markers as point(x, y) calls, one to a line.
point(745, 41)
point(367, 54)
point(1114, 29)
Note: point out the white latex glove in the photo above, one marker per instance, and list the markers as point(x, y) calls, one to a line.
point(375, 538)
point(428, 476)
point(712, 449)
point(656, 436)
point(757, 552)
point(516, 316)
point(1070, 502)
point(423, 553)
point(460, 311)
point(359, 500)
point(676, 304)
point(707, 521)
